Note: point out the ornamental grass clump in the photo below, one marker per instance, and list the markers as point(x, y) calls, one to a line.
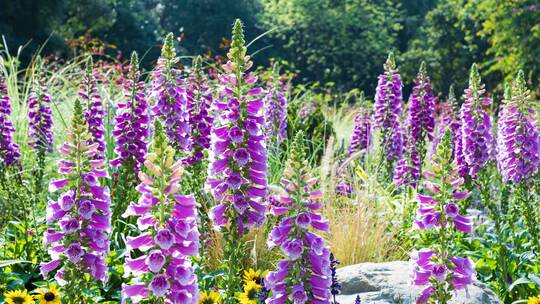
point(94, 111)
point(168, 237)
point(361, 133)
point(304, 275)
point(171, 98)
point(439, 219)
point(237, 174)
point(387, 113)
point(477, 140)
point(77, 239)
point(9, 150)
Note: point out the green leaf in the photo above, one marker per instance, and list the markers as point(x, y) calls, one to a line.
point(535, 279)
point(5, 263)
point(519, 281)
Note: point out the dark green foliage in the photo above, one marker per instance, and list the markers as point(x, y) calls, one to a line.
point(339, 41)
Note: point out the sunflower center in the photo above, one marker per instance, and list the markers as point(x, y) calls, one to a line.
point(49, 296)
point(18, 300)
point(252, 294)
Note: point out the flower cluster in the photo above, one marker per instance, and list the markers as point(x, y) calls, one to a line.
point(94, 112)
point(275, 103)
point(438, 268)
point(132, 122)
point(304, 275)
point(169, 234)
point(407, 170)
point(449, 119)
point(361, 133)
point(199, 105)
point(335, 287)
point(517, 135)
point(9, 150)
point(171, 98)
point(237, 176)
point(40, 118)
point(79, 240)
point(421, 119)
point(387, 110)
point(477, 141)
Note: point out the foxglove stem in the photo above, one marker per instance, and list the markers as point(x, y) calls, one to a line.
point(525, 202)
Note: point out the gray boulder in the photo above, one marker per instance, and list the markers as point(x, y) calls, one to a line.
point(388, 283)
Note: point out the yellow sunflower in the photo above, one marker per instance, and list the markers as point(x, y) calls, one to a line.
point(534, 300)
point(212, 297)
point(18, 297)
point(49, 296)
point(249, 296)
point(256, 276)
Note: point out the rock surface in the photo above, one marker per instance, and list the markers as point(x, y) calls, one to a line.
point(388, 283)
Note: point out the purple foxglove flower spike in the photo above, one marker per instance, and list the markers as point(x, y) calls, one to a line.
point(477, 140)
point(438, 269)
point(449, 119)
point(387, 112)
point(40, 118)
point(169, 234)
point(78, 240)
point(420, 124)
point(237, 179)
point(307, 265)
point(132, 122)
point(171, 98)
point(407, 170)
point(199, 107)
point(94, 112)
point(421, 115)
point(518, 142)
point(9, 150)
point(361, 134)
point(275, 103)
